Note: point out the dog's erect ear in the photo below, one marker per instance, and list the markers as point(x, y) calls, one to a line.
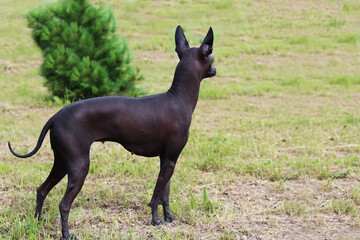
point(206, 46)
point(209, 39)
point(180, 41)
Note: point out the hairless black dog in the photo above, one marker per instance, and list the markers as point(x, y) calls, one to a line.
point(149, 126)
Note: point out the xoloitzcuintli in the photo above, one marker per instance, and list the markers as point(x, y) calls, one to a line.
point(150, 126)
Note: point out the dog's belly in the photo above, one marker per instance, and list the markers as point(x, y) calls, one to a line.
point(146, 150)
point(143, 147)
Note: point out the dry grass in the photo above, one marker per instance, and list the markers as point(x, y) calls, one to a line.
point(274, 144)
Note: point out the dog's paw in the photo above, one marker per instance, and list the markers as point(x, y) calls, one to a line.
point(72, 237)
point(44, 220)
point(169, 218)
point(156, 222)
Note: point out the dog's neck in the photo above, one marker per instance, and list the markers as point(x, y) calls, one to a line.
point(186, 83)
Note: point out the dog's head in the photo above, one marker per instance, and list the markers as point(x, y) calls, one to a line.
point(201, 55)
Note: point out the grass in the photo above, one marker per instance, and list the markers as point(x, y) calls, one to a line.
point(274, 144)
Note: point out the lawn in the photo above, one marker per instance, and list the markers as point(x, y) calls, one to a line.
point(274, 149)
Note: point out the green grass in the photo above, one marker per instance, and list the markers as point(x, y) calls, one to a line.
point(274, 141)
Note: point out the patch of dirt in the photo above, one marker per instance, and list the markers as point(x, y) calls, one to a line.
point(159, 57)
point(261, 205)
point(11, 67)
point(248, 209)
point(307, 59)
point(322, 7)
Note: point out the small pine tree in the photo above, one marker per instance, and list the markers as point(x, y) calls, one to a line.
point(83, 57)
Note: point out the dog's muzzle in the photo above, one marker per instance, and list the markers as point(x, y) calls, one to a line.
point(212, 72)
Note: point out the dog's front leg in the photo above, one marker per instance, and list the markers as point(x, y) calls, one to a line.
point(163, 182)
point(164, 201)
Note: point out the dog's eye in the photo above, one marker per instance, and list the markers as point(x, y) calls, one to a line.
point(212, 59)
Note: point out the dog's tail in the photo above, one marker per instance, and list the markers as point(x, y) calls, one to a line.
point(45, 129)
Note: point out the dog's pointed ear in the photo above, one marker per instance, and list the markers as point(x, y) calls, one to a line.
point(207, 45)
point(180, 41)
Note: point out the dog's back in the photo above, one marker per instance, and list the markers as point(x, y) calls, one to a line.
point(144, 126)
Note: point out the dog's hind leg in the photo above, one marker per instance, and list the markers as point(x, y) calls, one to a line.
point(57, 173)
point(77, 172)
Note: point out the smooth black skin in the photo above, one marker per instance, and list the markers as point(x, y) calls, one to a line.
point(150, 126)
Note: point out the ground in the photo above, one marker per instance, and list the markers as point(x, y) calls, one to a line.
point(273, 151)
